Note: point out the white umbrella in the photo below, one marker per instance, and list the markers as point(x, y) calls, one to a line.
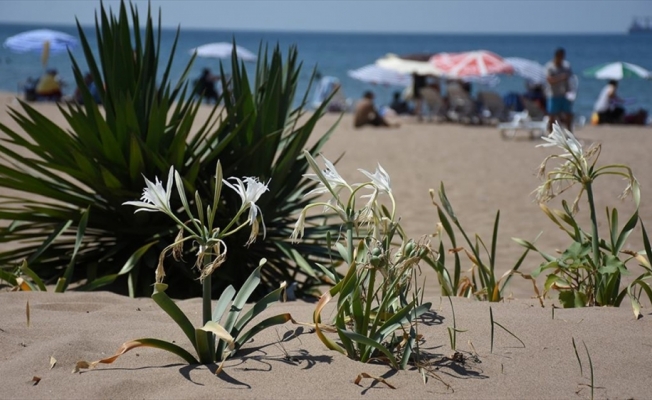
point(397, 64)
point(528, 69)
point(617, 71)
point(35, 41)
point(382, 76)
point(223, 50)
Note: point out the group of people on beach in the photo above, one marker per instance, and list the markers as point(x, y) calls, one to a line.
point(49, 87)
point(553, 98)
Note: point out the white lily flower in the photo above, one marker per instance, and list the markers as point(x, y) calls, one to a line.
point(380, 179)
point(155, 197)
point(334, 179)
point(297, 232)
point(564, 139)
point(249, 191)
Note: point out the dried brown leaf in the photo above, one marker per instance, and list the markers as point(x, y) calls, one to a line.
point(36, 380)
point(109, 360)
point(53, 362)
point(375, 378)
point(81, 365)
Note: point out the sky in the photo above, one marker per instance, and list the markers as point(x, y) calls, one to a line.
point(425, 16)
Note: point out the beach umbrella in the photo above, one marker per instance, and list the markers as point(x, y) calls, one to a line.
point(44, 41)
point(487, 80)
point(532, 71)
point(470, 63)
point(617, 71)
point(222, 50)
point(376, 74)
point(403, 66)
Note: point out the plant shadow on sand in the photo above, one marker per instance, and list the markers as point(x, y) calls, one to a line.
point(299, 357)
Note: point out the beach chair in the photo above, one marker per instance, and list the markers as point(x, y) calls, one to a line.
point(433, 101)
point(462, 107)
point(329, 85)
point(493, 108)
point(532, 120)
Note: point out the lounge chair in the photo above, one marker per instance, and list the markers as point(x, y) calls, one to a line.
point(328, 86)
point(493, 108)
point(532, 120)
point(433, 101)
point(462, 108)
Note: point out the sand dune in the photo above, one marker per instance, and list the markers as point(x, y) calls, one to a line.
point(482, 174)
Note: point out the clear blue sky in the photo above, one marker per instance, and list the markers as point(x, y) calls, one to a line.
point(446, 16)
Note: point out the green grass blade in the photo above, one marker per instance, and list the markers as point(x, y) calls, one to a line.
point(49, 240)
point(356, 337)
point(260, 306)
point(243, 295)
point(203, 340)
point(81, 231)
point(491, 319)
point(174, 312)
point(222, 303)
point(271, 321)
point(577, 355)
point(27, 271)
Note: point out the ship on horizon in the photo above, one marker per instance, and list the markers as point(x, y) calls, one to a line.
point(641, 25)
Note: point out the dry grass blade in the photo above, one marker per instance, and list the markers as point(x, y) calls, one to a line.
point(109, 360)
point(27, 313)
point(530, 278)
point(375, 378)
point(53, 362)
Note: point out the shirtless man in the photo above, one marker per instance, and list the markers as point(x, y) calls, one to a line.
point(367, 114)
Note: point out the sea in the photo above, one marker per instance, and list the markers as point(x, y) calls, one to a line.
point(334, 54)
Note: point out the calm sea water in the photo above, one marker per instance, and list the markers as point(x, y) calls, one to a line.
point(336, 53)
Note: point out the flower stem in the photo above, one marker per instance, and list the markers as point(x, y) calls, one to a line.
point(349, 241)
point(595, 239)
point(207, 289)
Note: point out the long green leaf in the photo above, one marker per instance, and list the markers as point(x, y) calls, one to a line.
point(174, 312)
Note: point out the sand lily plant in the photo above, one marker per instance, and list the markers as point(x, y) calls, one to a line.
point(589, 271)
point(378, 303)
point(223, 327)
point(149, 120)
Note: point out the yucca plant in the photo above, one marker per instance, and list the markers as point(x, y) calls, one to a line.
point(147, 123)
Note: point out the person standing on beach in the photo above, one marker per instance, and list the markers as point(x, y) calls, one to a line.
point(558, 73)
point(418, 83)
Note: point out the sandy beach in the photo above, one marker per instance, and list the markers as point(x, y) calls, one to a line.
point(482, 173)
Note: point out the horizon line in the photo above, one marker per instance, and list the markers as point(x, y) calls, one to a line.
point(317, 31)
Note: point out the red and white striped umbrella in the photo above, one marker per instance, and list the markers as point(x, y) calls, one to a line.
point(471, 63)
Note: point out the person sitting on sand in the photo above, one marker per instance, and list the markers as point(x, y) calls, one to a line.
point(399, 105)
point(92, 88)
point(366, 113)
point(608, 105)
point(49, 86)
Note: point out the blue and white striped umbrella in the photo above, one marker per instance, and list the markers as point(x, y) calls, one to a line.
point(528, 69)
point(34, 41)
point(381, 76)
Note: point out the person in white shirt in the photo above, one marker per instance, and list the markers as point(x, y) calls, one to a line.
point(608, 105)
point(558, 72)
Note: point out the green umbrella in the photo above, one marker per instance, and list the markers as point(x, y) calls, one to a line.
point(617, 71)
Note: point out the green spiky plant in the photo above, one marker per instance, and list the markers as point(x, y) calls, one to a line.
point(146, 124)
